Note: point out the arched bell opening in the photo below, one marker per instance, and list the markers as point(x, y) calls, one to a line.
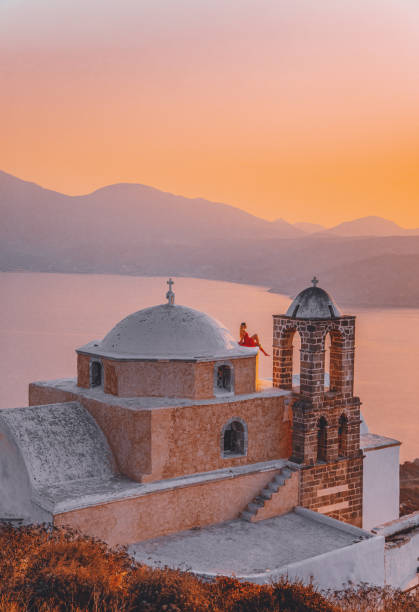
point(336, 361)
point(296, 361)
point(327, 348)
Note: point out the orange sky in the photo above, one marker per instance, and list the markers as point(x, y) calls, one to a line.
point(298, 109)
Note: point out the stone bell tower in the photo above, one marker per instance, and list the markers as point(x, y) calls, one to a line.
point(326, 415)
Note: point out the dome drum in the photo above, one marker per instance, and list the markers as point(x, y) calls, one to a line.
point(168, 351)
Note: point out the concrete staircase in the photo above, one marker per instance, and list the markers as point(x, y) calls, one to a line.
point(278, 497)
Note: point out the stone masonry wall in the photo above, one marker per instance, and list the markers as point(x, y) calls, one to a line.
point(128, 431)
point(162, 513)
point(152, 378)
point(165, 442)
point(187, 439)
point(166, 378)
point(334, 489)
point(83, 371)
point(306, 416)
point(312, 354)
point(326, 420)
point(110, 378)
point(245, 375)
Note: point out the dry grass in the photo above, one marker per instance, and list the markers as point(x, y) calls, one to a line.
point(56, 570)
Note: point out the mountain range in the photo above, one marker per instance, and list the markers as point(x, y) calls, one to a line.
point(136, 229)
point(371, 226)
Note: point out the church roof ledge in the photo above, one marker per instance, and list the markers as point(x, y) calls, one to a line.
point(372, 442)
point(326, 320)
point(93, 349)
point(143, 403)
point(82, 494)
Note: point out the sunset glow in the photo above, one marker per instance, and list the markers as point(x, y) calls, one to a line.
point(285, 108)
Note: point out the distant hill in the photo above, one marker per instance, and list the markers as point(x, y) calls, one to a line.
point(134, 229)
point(309, 228)
point(371, 226)
point(123, 227)
point(287, 230)
point(127, 212)
point(382, 280)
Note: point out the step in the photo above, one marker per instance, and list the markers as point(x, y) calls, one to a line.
point(260, 501)
point(253, 507)
point(286, 472)
point(266, 493)
point(280, 480)
point(246, 515)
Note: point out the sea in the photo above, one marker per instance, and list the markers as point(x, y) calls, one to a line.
point(44, 317)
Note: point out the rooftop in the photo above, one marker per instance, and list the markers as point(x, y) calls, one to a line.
point(370, 441)
point(59, 443)
point(67, 496)
point(247, 549)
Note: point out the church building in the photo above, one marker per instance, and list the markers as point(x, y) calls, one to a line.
point(166, 430)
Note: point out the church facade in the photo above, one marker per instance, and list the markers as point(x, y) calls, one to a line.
point(167, 428)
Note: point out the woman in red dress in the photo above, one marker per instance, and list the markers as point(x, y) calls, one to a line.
point(246, 340)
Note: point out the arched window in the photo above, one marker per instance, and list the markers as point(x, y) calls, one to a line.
point(234, 438)
point(337, 373)
point(322, 439)
point(343, 436)
point(287, 356)
point(296, 349)
point(95, 373)
point(223, 378)
point(327, 345)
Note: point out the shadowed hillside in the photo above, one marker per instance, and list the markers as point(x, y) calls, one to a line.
point(409, 487)
point(387, 279)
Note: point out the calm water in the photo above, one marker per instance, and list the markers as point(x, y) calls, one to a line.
point(44, 317)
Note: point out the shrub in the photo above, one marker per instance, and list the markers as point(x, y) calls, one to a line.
point(45, 569)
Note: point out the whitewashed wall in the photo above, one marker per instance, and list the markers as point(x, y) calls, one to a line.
point(381, 488)
point(401, 562)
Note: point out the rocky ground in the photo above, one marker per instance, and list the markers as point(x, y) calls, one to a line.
point(409, 487)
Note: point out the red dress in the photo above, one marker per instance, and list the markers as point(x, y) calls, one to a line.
point(247, 341)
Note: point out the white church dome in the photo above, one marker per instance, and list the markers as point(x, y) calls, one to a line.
point(313, 303)
point(169, 331)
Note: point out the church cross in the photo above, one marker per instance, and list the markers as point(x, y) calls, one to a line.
point(170, 296)
point(314, 280)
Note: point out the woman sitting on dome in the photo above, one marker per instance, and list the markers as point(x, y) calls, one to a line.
point(246, 340)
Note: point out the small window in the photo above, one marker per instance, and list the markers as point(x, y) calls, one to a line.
point(96, 373)
point(322, 439)
point(234, 439)
point(223, 378)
